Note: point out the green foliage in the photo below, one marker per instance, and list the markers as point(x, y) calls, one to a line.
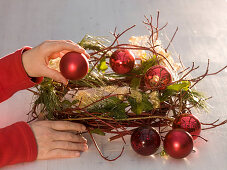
point(196, 99)
point(163, 153)
point(174, 89)
point(98, 131)
point(145, 65)
point(139, 107)
point(93, 42)
point(102, 66)
point(183, 85)
point(95, 79)
point(67, 104)
point(111, 106)
point(48, 98)
point(51, 94)
point(135, 82)
point(193, 97)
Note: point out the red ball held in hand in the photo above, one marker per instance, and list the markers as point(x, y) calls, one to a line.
point(122, 61)
point(189, 123)
point(74, 66)
point(157, 77)
point(178, 143)
point(145, 140)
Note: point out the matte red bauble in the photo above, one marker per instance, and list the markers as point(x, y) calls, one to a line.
point(74, 66)
point(178, 143)
point(189, 123)
point(122, 61)
point(145, 141)
point(157, 77)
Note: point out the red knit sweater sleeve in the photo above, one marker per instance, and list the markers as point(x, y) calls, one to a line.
point(17, 142)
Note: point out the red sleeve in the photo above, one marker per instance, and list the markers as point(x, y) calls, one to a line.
point(17, 142)
point(13, 76)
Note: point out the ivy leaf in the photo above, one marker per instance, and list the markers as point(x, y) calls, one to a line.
point(166, 94)
point(145, 65)
point(135, 83)
point(98, 131)
point(75, 102)
point(147, 105)
point(173, 89)
point(102, 65)
point(66, 104)
point(183, 85)
point(111, 106)
point(118, 111)
point(139, 107)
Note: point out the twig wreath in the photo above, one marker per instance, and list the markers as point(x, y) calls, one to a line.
point(134, 89)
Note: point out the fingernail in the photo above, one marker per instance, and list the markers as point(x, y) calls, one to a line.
point(77, 154)
point(85, 147)
point(84, 128)
point(85, 140)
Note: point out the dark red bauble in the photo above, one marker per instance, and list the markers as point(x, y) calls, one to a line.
point(122, 61)
point(157, 77)
point(189, 123)
point(74, 66)
point(145, 141)
point(178, 143)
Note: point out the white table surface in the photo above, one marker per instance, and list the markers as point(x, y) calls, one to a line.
point(202, 35)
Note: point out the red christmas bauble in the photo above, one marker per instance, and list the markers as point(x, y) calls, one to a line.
point(157, 77)
point(122, 61)
point(74, 66)
point(189, 123)
point(145, 140)
point(178, 143)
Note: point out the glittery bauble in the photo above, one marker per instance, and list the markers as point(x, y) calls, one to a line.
point(122, 61)
point(157, 77)
point(189, 123)
point(178, 143)
point(145, 141)
point(74, 66)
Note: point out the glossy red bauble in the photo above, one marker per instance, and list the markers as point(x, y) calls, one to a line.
point(189, 123)
point(157, 77)
point(122, 61)
point(145, 141)
point(178, 143)
point(74, 66)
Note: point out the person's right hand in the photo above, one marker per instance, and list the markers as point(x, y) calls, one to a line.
point(55, 139)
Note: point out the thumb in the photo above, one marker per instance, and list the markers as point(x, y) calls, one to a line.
point(55, 75)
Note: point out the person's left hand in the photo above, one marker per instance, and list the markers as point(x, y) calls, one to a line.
point(36, 60)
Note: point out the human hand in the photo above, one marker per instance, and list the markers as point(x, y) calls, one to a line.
point(36, 60)
point(55, 139)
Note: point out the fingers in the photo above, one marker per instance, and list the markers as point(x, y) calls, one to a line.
point(67, 136)
point(55, 75)
point(54, 141)
point(86, 54)
point(64, 125)
point(53, 46)
point(61, 153)
point(70, 146)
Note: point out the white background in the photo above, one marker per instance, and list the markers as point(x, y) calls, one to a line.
point(202, 34)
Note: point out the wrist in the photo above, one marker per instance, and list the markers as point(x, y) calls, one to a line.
point(27, 66)
point(24, 59)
